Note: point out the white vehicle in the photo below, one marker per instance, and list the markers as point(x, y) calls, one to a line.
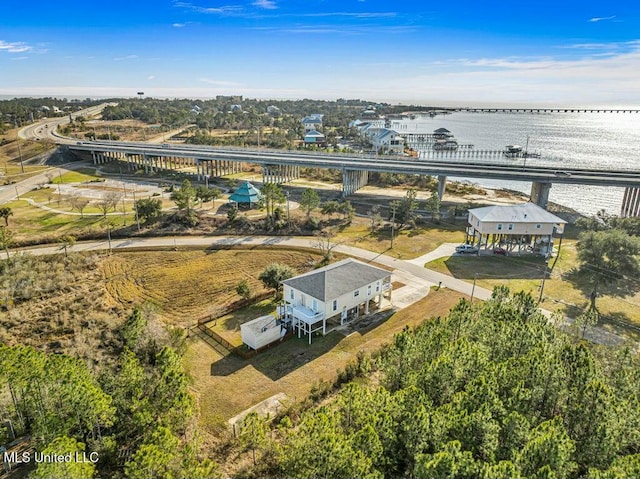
point(466, 249)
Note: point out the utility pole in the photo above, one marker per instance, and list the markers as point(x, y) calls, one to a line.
point(393, 223)
point(473, 288)
point(286, 194)
point(544, 277)
point(20, 152)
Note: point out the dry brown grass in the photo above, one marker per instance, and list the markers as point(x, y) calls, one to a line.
point(186, 285)
point(227, 385)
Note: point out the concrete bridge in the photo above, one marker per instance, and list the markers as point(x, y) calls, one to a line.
point(547, 110)
point(283, 166)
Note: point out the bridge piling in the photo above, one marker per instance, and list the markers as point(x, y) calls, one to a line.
point(442, 185)
point(540, 193)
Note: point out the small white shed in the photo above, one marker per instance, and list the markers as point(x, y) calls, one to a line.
point(261, 331)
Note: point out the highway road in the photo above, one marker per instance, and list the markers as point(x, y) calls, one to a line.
point(47, 129)
point(467, 169)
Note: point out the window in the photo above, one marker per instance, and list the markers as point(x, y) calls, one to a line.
point(356, 293)
point(314, 304)
point(538, 226)
point(369, 290)
point(292, 295)
point(499, 226)
point(334, 306)
point(378, 287)
point(510, 227)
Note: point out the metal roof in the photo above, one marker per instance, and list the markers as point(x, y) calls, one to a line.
point(331, 282)
point(246, 193)
point(522, 213)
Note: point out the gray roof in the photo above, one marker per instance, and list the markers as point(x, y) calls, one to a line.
point(261, 324)
point(343, 277)
point(523, 213)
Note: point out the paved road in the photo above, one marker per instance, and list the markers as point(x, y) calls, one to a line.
point(406, 268)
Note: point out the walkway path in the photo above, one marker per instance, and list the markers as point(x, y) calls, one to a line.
point(419, 277)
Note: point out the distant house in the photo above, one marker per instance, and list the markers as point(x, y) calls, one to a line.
point(312, 122)
point(246, 195)
point(389, 141)
point(341, 290)
point(314, 137)
point(236, 107)
point(274, 111)
point(525, 227)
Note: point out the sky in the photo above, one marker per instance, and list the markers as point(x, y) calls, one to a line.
point(462, 52)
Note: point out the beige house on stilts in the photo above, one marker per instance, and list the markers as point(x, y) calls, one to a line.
point(524, 228)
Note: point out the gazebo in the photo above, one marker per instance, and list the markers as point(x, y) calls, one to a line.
point(246, 194)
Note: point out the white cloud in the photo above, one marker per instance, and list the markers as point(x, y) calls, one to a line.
point(128, 57)
point(15, 47)
point(179, 25)
point(20, 58)
point(266, 4)
point(601, 19)
point(151, 77)
point(223, 10)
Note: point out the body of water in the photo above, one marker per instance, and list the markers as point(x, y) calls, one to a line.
point(564, 140)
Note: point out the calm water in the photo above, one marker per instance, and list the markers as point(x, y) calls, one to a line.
point(565, 140)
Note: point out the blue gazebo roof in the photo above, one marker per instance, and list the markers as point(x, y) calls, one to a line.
point(246, 193)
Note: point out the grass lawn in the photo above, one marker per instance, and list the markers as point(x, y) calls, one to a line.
point(187, 285)
point(228, 326)
point(78, 176)
point(565, 290)
point(227, 385)
point(407, 244)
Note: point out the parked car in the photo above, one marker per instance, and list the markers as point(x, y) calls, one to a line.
point(466, 249)
point(500, 251)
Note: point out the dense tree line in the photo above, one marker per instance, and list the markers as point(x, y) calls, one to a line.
point(135, 413)
point(20, 111)
point(492, 391)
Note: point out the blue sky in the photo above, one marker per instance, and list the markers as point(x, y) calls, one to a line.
point(457, 52)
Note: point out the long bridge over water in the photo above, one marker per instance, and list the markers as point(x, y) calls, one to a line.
point(547, 110)
point(283, 166)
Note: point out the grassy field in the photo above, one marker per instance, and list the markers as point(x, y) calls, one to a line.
point(187, 285)
point(407, 244)
point(227, 385)
point(565, 290)
point(77, 176)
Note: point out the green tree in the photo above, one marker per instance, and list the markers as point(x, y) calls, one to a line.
point(185, 200)
point(243, 289)
point(274, 274)
point(433, 205)
point(133, 328)
point(149, 209)
point(309, 201)
point(253, 434)
point(5, 212)
point(158, 457)
point(451, 463)
point(67, 242)
point(330, 208)
point(607, 256)
point(78, 468)
point(6, 239)
point(403, 211)
point(272, 196)
point(549, 451)
point(204, 194)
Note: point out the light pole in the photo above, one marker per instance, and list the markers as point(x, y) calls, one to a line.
point(109, 235)
point(135, 206)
